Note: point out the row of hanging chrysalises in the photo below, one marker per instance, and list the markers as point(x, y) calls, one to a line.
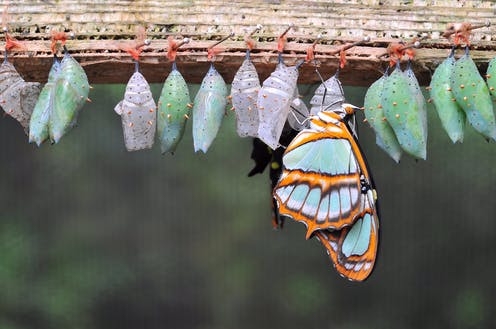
point(323, 180)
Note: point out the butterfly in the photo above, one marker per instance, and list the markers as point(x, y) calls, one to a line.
point(326, 185)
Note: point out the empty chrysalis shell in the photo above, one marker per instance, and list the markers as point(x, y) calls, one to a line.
point(298, 113)
point(274, 103)
point(244, 91)
point(38, 124)
point(173, 111)
point(452, 116)
point(70, 93)
point(472, 93)
point(138, 114)
point(384, 134)
point(18, 97)
point(328, 96)
point(406, 113)
point(209, 109)
point(491, 76)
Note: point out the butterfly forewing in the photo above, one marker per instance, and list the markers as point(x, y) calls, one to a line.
point(321, 180)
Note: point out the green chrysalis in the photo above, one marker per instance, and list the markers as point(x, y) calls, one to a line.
point(472, 94)
point(491, 76)
point(173, 110)
point(385, 137)
point(38, 124)
point(406, 112)
point(452, 116)
point(70, 93)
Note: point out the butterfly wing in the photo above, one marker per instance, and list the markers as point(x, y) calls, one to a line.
point(353, 250)
point(322, 177)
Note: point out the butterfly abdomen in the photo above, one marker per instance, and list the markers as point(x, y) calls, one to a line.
point(138, 114)
point(173, 111)
point(209, 110)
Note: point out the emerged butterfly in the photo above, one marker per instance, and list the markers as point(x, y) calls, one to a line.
point(137, 111)
point(209, 109)
point(472, 93)
point(452, 116)
point(405, 110)
point(17, 97)
point(326, 185)
point(385, 137)
point(244, 92)
point(274, 103)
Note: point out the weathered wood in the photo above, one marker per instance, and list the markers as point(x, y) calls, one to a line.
point(98, 24)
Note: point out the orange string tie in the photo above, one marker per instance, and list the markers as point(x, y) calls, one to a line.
point(281, 40)
point(460, 31)
point(172, 50)
point(212, 51)
point(311, 49)
point(342, 59)
point(396, 51)
point(57, 36)
point(11, 43)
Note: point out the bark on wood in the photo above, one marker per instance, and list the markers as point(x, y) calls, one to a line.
point(99, 24)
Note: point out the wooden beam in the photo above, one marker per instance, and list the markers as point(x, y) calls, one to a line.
point(100, 25)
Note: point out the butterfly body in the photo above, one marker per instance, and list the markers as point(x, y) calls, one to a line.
point(326, 185)
point(173, 110)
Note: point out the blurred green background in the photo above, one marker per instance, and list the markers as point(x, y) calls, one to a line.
point(94, 237)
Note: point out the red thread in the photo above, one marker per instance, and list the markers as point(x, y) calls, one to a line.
point(212, 52)
point(281, 41)
point(342, 59)
point(250, 43)
point(11, 43)
point(57, 36)
point(172, 50)
point(310, 54)
point(396, 51)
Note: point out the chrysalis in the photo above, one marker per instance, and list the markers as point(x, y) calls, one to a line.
point(173, 110)
point(451, 114)
point(244, 91)
point(491, 76)
point(328, 96)
point(384, 134)
point(137, 111)
point(209, 109)
point(18, 97)
point(299, 113)
point(38, 124)
point(69, 95)
point(472, 94)
point(405, 112)
point(274, 102)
